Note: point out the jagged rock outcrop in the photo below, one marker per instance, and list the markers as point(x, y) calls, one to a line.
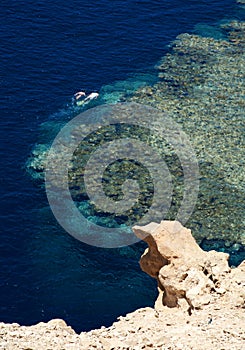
point(187, 276)
point(198, 281)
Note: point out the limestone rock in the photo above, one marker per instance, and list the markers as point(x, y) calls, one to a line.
point(182, 269)
point(188, 277)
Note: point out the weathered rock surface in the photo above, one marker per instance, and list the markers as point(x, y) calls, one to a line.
point(218, 327)
point(186, 275)
point(189, 279)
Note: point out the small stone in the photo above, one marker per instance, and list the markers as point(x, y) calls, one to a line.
point(57, 323)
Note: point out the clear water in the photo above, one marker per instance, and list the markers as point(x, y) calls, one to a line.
point(50, 50)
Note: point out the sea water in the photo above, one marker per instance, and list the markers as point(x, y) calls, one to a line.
point(51, 50)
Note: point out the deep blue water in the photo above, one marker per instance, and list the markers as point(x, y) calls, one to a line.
point(50, 49)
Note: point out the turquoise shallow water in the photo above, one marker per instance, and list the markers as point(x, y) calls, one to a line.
point(49, 52)
point(199, 85)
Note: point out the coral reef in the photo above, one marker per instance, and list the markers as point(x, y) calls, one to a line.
point(201, 87)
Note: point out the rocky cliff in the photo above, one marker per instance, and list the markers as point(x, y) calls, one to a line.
point(187, 276)
point(200, 304)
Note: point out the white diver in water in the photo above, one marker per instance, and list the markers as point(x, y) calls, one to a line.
point(79, 94)
point(90, 97)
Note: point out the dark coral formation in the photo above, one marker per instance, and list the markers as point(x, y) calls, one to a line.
point(201, 86)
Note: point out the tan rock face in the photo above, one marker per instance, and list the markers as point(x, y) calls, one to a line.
point(182, 269)
point(188, 277)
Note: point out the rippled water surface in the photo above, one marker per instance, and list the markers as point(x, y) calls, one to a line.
point(51, 50)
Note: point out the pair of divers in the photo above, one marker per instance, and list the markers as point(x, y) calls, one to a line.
point(81, 99)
